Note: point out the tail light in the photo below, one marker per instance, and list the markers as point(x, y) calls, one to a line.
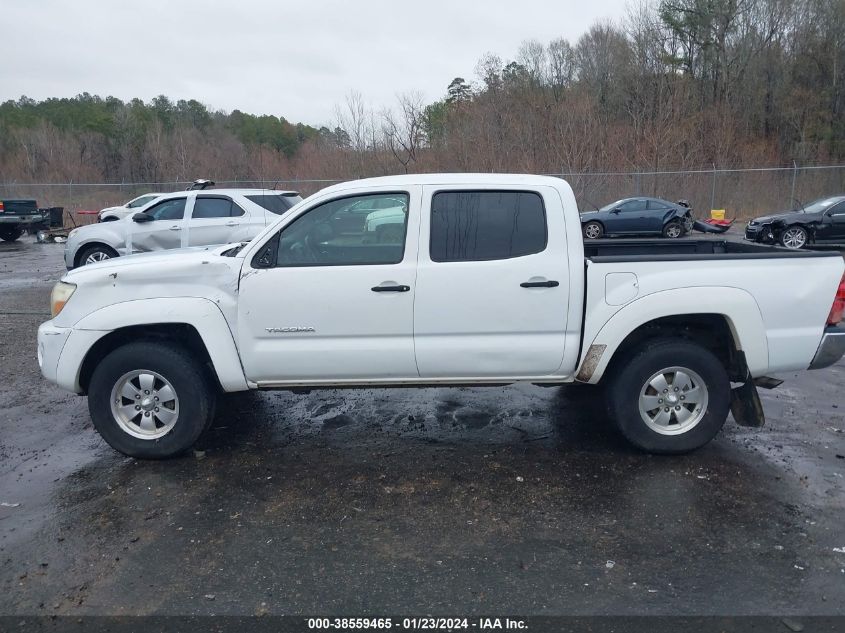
point(1, 208)
point(837, 310)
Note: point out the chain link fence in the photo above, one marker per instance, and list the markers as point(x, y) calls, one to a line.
point(742, 193)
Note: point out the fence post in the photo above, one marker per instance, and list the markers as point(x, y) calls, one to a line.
point(794, 173)
point(713, 190)
point(639, 178)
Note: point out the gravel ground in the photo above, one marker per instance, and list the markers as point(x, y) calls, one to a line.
point(517, 500)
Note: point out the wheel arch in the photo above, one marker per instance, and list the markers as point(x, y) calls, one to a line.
point(77, 256)
point(596, 221)
point(195, 323)
point(735, 332)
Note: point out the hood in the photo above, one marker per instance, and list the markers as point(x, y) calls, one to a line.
point(159, 262)
point(788, 216)
point(120, 208)
point(201, 272)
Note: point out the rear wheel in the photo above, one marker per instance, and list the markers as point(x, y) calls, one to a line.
point(150, 400)
point(669, 396)
point(10, 233)
point(95, 253)
point(794, 237)
point(673, 229)
point(593, 230)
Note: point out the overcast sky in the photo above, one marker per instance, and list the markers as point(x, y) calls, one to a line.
point(296, 59)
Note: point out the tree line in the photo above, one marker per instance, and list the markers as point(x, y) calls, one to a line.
point(674, 84)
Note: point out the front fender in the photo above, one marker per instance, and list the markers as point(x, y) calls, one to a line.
point(737, 306)
point(204, 315)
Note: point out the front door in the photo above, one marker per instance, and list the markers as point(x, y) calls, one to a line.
point(165, 231)
point(492, 283)
point(834, 224)
point(323, 305)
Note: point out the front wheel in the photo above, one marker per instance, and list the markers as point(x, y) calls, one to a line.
point(794, 237)
point(669, 396)
point(150, 400)
point(95, 253)
point(593, 230)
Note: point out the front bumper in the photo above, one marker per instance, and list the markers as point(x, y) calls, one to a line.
point(831, 349)
point(51, 342)
point(61, 352)
point(760, 233)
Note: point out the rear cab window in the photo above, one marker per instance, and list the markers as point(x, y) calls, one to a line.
point(486, 225)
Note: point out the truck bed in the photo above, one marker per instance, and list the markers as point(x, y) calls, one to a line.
point(640, 250)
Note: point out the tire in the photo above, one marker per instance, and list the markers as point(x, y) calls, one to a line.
point(794, 237)
point(673, 230)
point(163, 434)
point(95, 253)
point(632, 389)
point(10, 233)
point(592, 230)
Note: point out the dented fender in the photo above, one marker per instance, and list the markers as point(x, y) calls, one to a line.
point(202, 314)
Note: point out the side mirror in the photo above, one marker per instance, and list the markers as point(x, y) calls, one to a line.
point(616, 210)
point(142, 217)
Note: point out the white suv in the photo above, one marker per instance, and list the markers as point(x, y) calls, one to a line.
point(110, 214)
point(180, 220)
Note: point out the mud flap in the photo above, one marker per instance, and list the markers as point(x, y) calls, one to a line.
point(746, 406)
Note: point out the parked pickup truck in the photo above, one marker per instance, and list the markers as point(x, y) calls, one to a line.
point(489, 282)
point(15, 216)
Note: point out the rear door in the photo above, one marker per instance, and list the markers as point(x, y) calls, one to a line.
point(215, 219)
point(492, 287)
point(165, 231)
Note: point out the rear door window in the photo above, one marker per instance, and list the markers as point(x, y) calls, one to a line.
point(215, 207)
point(486, 225)
point(274, 203)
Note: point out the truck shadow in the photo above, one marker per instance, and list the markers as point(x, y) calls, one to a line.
point(564, 418)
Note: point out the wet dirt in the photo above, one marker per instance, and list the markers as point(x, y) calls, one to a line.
point(463, 501)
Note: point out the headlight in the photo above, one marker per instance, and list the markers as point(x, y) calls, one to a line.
point(61, 294)
point(72, 233)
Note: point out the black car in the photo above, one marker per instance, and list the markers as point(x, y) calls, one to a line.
point(820, 222)
point(638, 216)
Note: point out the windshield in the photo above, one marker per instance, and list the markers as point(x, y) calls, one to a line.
point(821, 205)
point(141, 201)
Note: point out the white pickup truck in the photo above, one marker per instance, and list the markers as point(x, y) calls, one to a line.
point(487, 282)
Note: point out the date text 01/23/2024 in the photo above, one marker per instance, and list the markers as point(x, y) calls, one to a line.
point(424, 623)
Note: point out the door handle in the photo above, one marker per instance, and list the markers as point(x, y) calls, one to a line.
point(390, 288)
point(540, 284)
point(175, 228)
point(231, 223)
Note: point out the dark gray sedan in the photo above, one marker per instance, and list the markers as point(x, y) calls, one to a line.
point(638, 216)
